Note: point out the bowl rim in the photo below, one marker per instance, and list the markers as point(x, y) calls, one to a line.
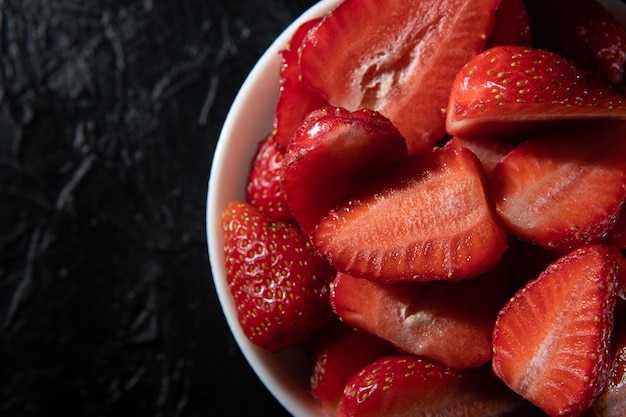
point(227, 183)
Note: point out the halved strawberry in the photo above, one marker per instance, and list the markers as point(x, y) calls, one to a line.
point(552, 339)
point(333, 151)
point(400, 386)
point(427, 218)
point(398, 57)
point(582, 30)
point(338, 354)
point(488, 151)
point(295, 99)
point(511, 25)
point(264, 188)
point(279, 285)
point(448, 322)
point(513, 92)
point(565, 189)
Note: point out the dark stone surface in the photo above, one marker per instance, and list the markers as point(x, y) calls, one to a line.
point(109, 115)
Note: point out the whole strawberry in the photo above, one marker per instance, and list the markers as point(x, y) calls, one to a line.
point(279, 285)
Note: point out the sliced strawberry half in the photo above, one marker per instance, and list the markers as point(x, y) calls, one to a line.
point(279, 284)
point(295, 98)
point(333, 151)
point(264, 188)
point(338, 354)
point(448, 322)
point(513, 92)
point(401, 386)
point(564, 190)
point(552, 339)
point(398, 57)
point(582, 30)
point(428, 218)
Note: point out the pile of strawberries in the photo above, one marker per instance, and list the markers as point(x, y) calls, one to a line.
point(436, 216)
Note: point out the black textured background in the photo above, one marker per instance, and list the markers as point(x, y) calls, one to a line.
point(109, 115)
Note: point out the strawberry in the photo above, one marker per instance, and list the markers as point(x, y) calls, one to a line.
point(612, 400)
point(333, 151)
point(295, 99)
point(399, 386)
point(511, 25)
point(264, 189)
point(448, 322)
point(515, 92)
point(488, 151)
point(427, 218)
point(551, 340)
point(581, 30)
point(397, 57)
point(279, 285)
point(338, 354)
point(563, 190)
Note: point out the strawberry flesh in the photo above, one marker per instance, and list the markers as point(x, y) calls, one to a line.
point(448, 322)
point(397, 57)
point(515, 92)
point(552, 339)
point(427, 218)
point(563, 190)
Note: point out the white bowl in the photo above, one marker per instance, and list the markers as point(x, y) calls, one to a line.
point(285, 374)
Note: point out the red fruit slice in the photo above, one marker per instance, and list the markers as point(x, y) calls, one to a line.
point(335, 150)
point(428, 218)
point(295, 99)
point(338, 354)
point(563, 190)
point(448, 322)
point(513, 92)
point(279, 284)
point(511, 25)
point(264, 188)
point(398, 57)
point(401, 386)
point(488, 151)
point(551, 341)
point(582, 30)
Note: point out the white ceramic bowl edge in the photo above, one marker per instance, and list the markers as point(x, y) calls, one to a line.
point(248, 121)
